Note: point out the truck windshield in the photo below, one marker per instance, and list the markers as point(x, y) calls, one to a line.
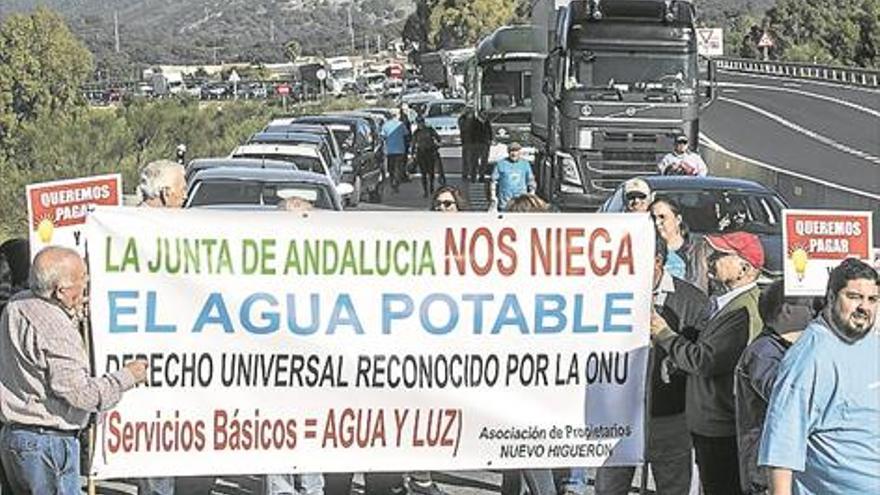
point(631, 70)
point(505, 89)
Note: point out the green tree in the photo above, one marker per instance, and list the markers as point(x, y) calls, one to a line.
point(826, 31)
point(459, 23)
point(42, 67)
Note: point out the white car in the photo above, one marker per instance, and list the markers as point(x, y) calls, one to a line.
point(304, 156)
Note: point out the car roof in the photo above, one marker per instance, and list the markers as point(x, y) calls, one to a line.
point(289, 122)
point(332, 119)
point(263, 175)
point(205, 163)
point(446, 101)
point(306, 150)
point(279, 136)
point(671, 182)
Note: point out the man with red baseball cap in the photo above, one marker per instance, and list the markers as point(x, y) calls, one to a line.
point(709, 362)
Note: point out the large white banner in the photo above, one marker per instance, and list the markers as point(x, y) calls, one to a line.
point(370, 341)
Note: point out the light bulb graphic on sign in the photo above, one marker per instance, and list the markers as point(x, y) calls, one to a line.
point(799, 258)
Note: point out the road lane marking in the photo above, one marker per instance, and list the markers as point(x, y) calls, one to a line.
point(712, 144)
point(804, 80)
point(848, 104)
point(806, 132)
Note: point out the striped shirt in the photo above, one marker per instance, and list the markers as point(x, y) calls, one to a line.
point(45, 378)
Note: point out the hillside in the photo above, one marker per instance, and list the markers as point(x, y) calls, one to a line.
point(202, 31)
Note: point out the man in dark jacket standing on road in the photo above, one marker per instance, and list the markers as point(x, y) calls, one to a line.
point(470, 145)
point(681, 305)
point(785, 318)
point(709, 361)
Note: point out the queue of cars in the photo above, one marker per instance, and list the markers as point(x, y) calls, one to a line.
point(330, 160)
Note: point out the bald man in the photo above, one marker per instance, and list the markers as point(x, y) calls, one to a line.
point(47, 390)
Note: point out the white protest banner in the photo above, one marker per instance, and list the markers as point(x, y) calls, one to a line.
point(57, 210)
point(816, 241)
point(370, 341)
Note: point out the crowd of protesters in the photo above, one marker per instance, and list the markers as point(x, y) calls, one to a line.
point(766, 394)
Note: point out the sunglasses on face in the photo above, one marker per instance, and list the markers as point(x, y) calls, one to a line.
point(636, 196)
point(446, 203)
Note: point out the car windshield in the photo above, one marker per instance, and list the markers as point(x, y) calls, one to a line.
point(445, 109)
point(708, 212)
point(631, 70)
point(242, 192)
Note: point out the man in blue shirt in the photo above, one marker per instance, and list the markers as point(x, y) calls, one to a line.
point(512, 177)
point(394, 135)
point(822, 431)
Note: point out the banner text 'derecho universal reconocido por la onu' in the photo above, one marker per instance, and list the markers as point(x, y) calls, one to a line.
point(370, 341)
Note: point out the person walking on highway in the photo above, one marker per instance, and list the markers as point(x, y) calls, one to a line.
point(394, 135)
point(407, 142)
point(483, 130)
point(470, 145)
point(682, 161)
point(511, 177)
point(427, 146)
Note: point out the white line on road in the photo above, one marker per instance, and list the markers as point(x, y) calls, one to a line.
point(802, 80)
point(712, 144)
point(849, 104)
point(806, 132)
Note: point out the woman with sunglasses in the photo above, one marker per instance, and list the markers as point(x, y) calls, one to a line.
point(448, 199)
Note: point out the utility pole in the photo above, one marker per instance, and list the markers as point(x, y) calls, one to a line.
point(351, 27)
point(116, 29)
point(366, 45)
point(272, 31)
point(378, 43)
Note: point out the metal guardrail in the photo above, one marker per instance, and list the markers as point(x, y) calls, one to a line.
point(853, 76)
point(800, 191)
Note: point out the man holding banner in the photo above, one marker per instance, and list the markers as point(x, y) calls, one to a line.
point(709, 361)
point(46, 389)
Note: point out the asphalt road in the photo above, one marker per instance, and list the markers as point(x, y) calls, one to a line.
point(827, 132)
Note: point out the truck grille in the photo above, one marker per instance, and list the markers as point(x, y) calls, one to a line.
point(629, 156)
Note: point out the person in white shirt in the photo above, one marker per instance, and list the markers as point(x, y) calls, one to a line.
point(682, 161)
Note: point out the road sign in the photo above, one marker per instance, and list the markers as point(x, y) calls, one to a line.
point(57, 210)
point(816, 241)
point(766, 41)
point(234, 77)
point(710, 42)
point(282, 89)
point(321, 74)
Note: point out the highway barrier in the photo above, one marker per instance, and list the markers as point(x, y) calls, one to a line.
point(853, 76)
point(799, 191)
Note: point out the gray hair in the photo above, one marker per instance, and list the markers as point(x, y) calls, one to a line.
point(50, 271)
point(156, 176)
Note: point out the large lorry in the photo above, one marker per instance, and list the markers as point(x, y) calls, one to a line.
point(620, 80)
point(446, 69)
point(340, 74)
point(500, 86)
